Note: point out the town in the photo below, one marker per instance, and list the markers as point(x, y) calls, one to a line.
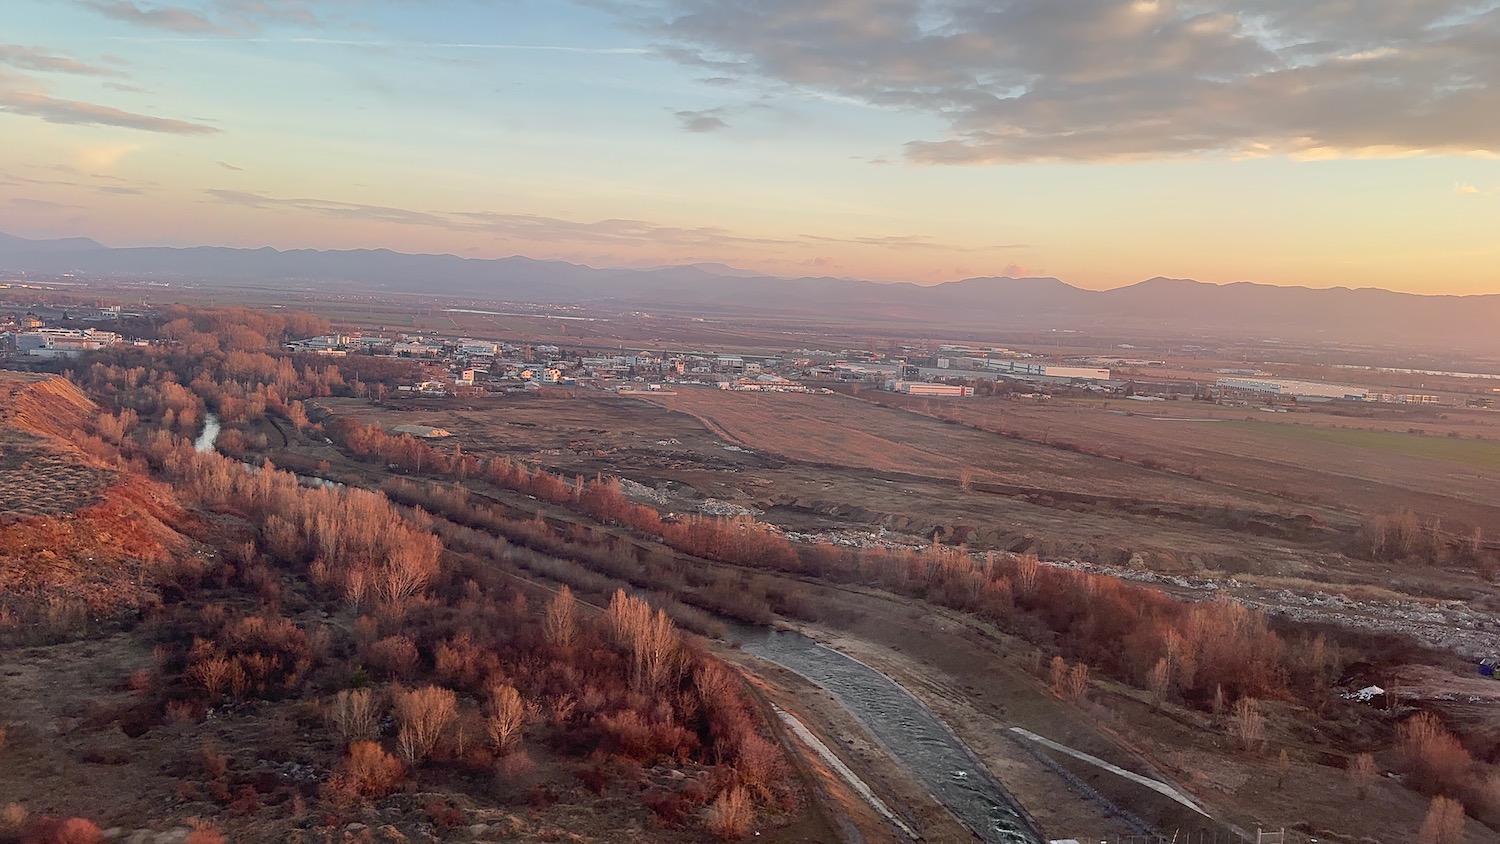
point(460, 366)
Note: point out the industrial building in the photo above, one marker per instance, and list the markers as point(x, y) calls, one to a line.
point(915, 388)
point(1294, 389)
point(63, 342)
point(1047, 370)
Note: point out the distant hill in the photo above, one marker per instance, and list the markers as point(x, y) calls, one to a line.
point(12, 245)
point(1244, 310)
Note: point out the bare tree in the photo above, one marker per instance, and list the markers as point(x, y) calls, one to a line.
point(506, 716)
point(356, 586)
point(1248, 724)
point(406, 573)
point(561, 624)
point(354, 714)
point(1362, 773)
point(1444, 823)
point(423, 716)
point(1078, 683)
point(1059, 676)
point(966, 479)
point(650, 639)
point(1159, 681)
point(1028, 569)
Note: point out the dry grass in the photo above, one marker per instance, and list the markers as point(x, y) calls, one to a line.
point(42, 472)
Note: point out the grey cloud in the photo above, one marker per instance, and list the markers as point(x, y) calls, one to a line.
point(77, 113)
point(30, 58)
point(227, 166)
point(1024, 80)
point(701, 121)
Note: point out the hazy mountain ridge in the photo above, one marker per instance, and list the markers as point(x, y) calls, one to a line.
point(1365, 315)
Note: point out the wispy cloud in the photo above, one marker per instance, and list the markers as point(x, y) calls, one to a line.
point(170, 18)
point(227, 166)
point(534, 228)
point(1466, 189)
point(76, 113)
point(1030, 80)
point(33, 59)
point(317, 41)
point(40, 204)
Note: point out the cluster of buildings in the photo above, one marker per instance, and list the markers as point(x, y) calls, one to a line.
point(1316, 391)
point(59, 342)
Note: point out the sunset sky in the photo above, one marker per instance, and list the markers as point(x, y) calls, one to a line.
point(1349, 142)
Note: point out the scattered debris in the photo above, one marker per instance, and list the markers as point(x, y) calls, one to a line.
point(1365, 695)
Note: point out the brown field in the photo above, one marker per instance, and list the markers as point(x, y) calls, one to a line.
point(829, 463)
point(1360, 465)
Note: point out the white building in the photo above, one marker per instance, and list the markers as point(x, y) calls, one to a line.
point(915, 388)
point(1045, 370)
point(63, 342)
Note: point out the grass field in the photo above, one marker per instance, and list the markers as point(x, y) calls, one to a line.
point(1468, 452)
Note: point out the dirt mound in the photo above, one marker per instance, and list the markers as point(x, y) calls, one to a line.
point(43, 471)
point(43, 405)
point(71, 527)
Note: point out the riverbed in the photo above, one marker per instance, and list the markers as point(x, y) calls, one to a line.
point(907, 729)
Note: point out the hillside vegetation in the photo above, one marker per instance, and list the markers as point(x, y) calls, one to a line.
point(249, 657)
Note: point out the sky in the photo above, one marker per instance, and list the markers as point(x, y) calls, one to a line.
point(1320, 143)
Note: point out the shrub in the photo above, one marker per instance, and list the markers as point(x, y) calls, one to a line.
point(354, 714)
point(396, 656)
point(371, 771)
point(70, 831)
point(1444, 823)
point(423, 716)
point(758, 764)
point(12, 816)
point(1432, 755)
point(203, 832)
point(513, 766)
point(729, 816)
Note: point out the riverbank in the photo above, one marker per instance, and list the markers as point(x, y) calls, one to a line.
point(980, 689)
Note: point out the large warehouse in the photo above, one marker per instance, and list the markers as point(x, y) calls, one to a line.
point(1295, 389)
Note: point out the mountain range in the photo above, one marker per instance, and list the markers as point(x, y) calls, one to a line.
point(1242, 310)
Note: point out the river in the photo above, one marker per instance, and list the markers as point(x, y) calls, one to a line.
point(907, 728)
point(210, 435)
